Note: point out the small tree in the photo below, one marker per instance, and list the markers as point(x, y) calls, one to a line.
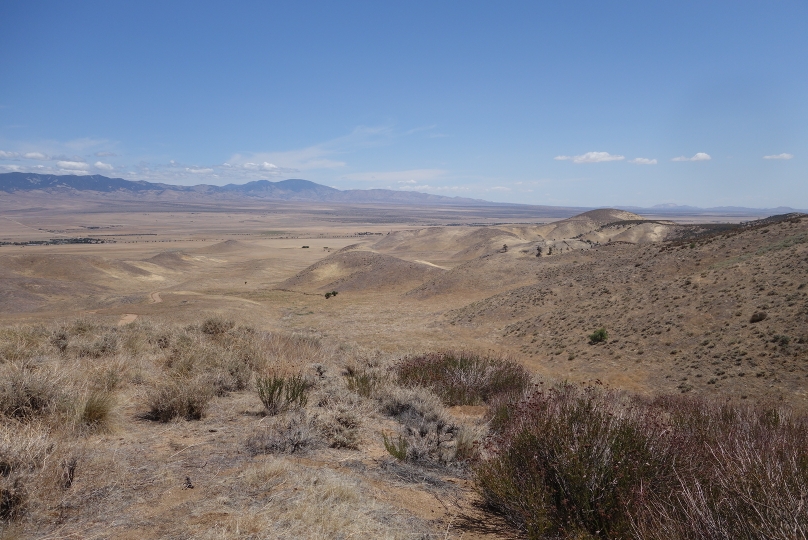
point(538, 251)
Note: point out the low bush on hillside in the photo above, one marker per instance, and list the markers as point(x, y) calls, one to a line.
point(581, 461)
point(598, 336)
point(295, 434)
point(428, 435)
point(362, 381)
point(178, 398)
point(279, 392)
point(461, 378)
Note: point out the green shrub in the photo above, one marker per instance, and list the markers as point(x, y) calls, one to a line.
point(461, 378)
point(362, 382)
point(281, 392)
point(598, 336)
point(396, 448)
point(757, 317)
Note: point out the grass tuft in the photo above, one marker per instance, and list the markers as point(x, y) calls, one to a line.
point(178, 398)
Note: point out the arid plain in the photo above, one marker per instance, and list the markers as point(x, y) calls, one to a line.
point(691, 305)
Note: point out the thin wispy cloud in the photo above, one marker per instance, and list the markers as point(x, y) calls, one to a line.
point(700, 156)
point(643, 161)
point(411, 175)
point(324, 155)
point(36, 155)
point(591, 157)
point(103, 166)
point(9, 155)
point(780, 156)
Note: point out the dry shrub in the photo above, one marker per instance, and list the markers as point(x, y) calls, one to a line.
point(172, 398)
point(578, 460)
point(340, 427)
point(427, 435)
point(294, 434)
point(105, 345)
point(192, 355)
point(29, 389)
point(33, 466)
point(215, 326)
point(22, 343)
point(462, 378)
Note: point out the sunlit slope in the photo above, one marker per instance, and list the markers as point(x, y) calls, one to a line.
point(682, 313)
point(359, 271)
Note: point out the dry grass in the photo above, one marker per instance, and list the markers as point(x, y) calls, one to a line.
point(294, 501)
point(64, 412)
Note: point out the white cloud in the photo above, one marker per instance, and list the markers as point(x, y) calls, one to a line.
point(410, 176)
point(591, 157)
point(35, 155)
point(198, 170)
point(643, 161)
point(72, 165)
point(265, 166)
point(8, 155)
point(12, 168)
point(103, 166)
point(779, 156)
point(701, 156)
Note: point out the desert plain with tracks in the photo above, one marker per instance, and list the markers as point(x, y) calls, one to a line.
point(704, 306)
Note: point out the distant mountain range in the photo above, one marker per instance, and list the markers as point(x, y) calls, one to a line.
point(285, 190)
point(296, 190)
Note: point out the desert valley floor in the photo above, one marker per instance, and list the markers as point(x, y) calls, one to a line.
point(691, 305)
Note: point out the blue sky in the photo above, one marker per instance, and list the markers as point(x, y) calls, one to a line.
point(567, 103)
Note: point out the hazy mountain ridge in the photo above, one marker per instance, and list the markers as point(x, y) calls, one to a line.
point(287, 190)
point(299, 190)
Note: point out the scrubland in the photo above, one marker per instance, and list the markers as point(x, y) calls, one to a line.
point(217, 430)
point(603, 376)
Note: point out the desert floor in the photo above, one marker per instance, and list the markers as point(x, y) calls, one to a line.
point(677, 308)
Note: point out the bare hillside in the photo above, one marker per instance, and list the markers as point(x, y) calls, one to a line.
point(361, 270)
point(726, 313)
